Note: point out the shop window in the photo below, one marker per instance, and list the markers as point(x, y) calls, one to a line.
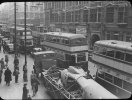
point(117, 81)
point(108, 77)
point(119, 55)
point(128, 57)
point(110, 14)
point(110, 52)
point(127, 86)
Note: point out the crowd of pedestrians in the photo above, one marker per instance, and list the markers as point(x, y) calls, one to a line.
point(5, 70)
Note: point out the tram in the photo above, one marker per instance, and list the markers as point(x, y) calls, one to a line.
point(113, 60)
point(71, 49)
point(20, 38)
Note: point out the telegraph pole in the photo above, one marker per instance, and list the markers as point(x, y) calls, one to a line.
point(25, 35)
point(15, 26)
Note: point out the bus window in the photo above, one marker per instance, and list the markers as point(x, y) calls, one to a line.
point(108, 77)
point(100, 74)
point(100, 50)
point(117, 81)
point(81, 57)
point(128, 57)
point(78, 41)
point(54, 39)
point(127, 86)
point(119, 55)
point(96, 49)
point(110, 52)
point(71, 59)
point(66, 41)
point(57, 40)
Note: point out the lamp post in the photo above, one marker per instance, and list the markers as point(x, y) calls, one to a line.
point(15, 26)
point(25, 34)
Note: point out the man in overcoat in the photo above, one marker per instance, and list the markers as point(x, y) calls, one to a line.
point(8, 76)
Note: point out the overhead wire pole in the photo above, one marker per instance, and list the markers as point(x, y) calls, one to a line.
point(25, 35)
point(15, 26)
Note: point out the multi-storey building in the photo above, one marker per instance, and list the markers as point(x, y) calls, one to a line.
point(34, 13)
point(96, 19)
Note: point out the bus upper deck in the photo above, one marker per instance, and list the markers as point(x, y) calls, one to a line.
point(67, 39)
point(120, 45)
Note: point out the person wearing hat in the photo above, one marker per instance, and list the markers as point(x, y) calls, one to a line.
point(8, 76)
point(25, 92)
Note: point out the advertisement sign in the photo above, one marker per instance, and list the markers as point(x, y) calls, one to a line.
point(81, 30)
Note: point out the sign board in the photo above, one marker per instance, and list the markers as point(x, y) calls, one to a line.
point(81, 30)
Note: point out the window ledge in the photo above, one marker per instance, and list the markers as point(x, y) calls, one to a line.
point(122, 24)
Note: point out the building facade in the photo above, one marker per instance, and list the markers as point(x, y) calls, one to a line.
point(98, 20)
point(34, 13)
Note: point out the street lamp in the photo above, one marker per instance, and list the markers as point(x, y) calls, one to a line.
point(15, 26)
point(25, 35)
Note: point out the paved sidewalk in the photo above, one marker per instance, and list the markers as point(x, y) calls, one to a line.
point(14, 91)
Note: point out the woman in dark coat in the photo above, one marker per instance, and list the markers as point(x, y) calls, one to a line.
point(25, 92)
point(8, 77)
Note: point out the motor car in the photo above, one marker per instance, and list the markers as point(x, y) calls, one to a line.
point(38, 49)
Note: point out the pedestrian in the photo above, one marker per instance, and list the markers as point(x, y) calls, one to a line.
point(25, 92)
point(34, 69)
point(1, 71)
point(3, 48)
point(8, 77)
point(32, 77)
point(16, 74)
point(0, 47)
point(6, 60)
point(16, 61)
point(25, 73)
point(35, 86)
point(2, 63)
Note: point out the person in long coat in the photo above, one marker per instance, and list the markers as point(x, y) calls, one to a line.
point(8, 76)
point(1, 71)
point(2, 63)
point(25, 73)
point(6, 59)
point(16, 74)
point(25, 92)
point(16, 61)
point(35, 86)
point(32, 77)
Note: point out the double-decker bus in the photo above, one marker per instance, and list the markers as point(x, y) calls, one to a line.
point(20, 38)
point(113, 60)
point(71, 49)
